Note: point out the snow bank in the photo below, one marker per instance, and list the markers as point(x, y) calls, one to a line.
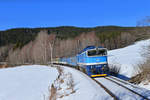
point(26, 82)
point(128, 57)
point(85, 88)
point(145, 85)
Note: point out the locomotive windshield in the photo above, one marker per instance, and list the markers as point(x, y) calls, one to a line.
point(99, 52)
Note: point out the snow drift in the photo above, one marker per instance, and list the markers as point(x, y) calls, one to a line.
point(128, 57)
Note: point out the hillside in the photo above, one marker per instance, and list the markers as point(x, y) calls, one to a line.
point(75, 38)
point(33, 45)
point(129, 57)
point(24, 35)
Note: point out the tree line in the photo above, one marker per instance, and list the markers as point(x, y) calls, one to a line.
point(43, 45)
point(22, 36)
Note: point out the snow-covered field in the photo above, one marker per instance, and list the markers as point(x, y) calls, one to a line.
point(128, 57)
point(26, 82)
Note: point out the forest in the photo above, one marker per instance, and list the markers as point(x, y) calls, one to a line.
point(40, 45)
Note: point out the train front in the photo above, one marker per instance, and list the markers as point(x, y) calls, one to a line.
point(96, 62)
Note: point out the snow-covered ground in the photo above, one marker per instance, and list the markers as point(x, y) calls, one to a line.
point(26, 82)
point(145, 85)
point(128, 57)
point(32, 82)
point(85, 88)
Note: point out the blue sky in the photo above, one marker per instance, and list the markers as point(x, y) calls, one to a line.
point(81, 13)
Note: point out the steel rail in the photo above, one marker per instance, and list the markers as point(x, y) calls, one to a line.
point(122, 81)
point(107, 90)
point(145, 98)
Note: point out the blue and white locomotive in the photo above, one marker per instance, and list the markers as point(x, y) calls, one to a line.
point(92, 60)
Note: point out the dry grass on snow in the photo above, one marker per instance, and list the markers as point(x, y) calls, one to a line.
point(143, 73)
point(114, 70)
point(62, 86)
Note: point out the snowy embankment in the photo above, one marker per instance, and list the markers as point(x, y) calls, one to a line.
point(128, 58)
point(85, 88)
point(26, 82)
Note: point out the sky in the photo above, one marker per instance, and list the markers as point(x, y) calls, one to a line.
point(80, 13)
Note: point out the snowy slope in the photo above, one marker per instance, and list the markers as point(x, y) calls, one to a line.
point(86, 88)
point(128, 57)
point(145, 85)
point(26, 82)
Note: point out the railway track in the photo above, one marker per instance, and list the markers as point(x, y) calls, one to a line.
point(101, 85)
point(145, 98)
point(114, 80)
point(122, 81)
point(107, 90)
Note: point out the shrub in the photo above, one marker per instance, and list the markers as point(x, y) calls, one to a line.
point(142, 73)
point(62, 86)
point(114, 70)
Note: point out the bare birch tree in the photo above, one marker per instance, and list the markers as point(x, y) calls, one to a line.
point(51, 42)
point(40, 48)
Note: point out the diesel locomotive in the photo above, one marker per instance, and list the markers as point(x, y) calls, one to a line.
point(92, 60)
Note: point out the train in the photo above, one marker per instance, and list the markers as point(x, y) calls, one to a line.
point(92, 60)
